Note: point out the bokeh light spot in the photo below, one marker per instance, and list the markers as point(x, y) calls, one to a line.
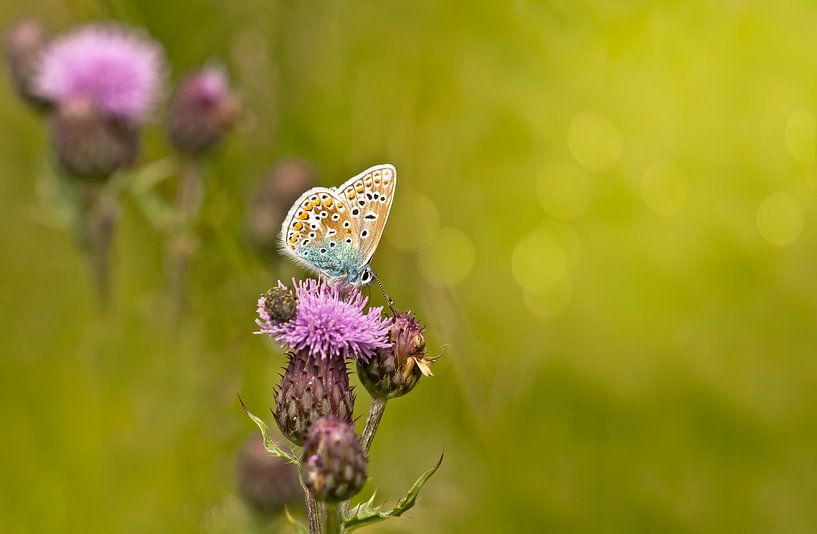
point(664, 189)
point(800, 136)
point(779, 219)
point(550, 304)
point(773, 131)
point(564, 191)
point(538, 262)
point(594, 141)
point(413, 221)
point(568, 239)
point(448, 258)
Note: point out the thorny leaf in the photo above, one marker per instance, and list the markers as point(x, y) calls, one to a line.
point(269, 443)
point(366, 513)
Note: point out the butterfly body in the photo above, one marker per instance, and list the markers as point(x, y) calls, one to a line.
point(335, 231)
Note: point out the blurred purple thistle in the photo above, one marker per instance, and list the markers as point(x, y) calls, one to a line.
point(24, 40)
point(119, 69)
point(202, 111)
point(266, 482)
point(101, 81)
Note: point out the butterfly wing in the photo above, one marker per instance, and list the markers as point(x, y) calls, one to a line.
point(318, 233)
point(368, 198)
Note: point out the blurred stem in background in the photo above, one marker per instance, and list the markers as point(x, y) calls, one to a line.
point(183, 242)
point(203, 110)
point(95, 226)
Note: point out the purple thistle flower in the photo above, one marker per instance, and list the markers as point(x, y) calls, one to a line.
point(118, 69)
point(329, 322)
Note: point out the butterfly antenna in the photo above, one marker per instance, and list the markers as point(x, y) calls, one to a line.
point(386, 296)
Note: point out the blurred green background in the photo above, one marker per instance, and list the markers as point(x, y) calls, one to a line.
point(604, 213)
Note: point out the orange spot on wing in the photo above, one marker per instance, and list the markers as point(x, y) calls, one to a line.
point(328, 202)
point(303, 215)
point(298, 225)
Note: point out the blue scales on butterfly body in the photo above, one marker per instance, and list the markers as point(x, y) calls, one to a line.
point(335, 231)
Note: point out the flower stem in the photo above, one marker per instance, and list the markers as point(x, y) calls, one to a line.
point(97, 221)
point(183, 243)
point(313, 510)
point(376, 409)
point(332, 523)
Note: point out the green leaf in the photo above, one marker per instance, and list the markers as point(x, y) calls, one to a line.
point(269, 443)
point(366, 513)
point(151, 174)
point(142, 184)
point(297, 525)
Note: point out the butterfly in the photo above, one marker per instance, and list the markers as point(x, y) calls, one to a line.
point(335, 231)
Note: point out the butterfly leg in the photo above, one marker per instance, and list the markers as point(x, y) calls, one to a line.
point(389, 300)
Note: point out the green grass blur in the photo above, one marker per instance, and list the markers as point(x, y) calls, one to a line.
point(605, 212)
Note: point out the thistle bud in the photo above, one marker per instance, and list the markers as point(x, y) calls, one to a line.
point(91, 144)
point(24, 40)
point(312, 387)
point(278, 303)
point(202, 112)
point(334, 466)
point(266, 482)
point(394, 371)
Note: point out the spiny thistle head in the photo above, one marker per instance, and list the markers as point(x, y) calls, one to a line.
point(118, 69)
point(394, 371)
point(334, 465)
point(24, 40)
point(202, 111)
point(330, 322)
point(89, 144)
point(312, 387)
point(266, 482)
